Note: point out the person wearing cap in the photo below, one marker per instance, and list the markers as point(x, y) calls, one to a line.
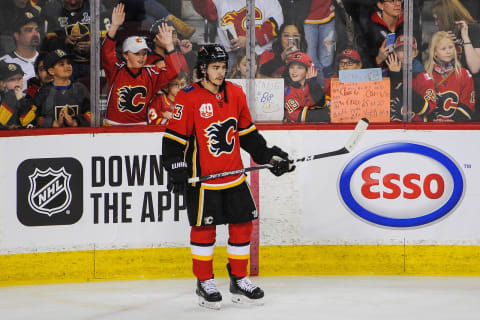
point(13, 11)
point(42, 77)
point(69, 29)
point(14, 107)
point(348, 59)
point(424, 98)
point(304, 97)
point(183, 48)
point(27, 40)
point(61, 103)
point(132, 84)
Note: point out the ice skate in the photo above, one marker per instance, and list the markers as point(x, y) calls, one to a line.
point(208, 294)
point(244, 291)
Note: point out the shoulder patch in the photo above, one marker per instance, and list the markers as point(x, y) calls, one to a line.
point(188, 88)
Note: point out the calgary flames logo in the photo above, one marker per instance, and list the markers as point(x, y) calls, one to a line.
point(218, 136)
point(237, 18)
point(127, 97)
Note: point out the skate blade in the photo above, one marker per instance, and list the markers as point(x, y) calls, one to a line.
point(241, 299)
point(209, 304)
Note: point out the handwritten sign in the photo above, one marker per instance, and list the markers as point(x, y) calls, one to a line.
point(360, 75)
point(352, 101)
point(269, 97)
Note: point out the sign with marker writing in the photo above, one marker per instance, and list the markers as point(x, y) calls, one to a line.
point(352, 101)
point(269, 97)
point(360, 75)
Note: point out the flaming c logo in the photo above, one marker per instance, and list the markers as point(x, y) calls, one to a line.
point(237, 18)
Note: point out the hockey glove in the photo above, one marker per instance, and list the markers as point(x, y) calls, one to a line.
point(177, 177)
point(280, 162)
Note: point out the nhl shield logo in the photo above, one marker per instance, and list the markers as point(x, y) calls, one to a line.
point(49, 191)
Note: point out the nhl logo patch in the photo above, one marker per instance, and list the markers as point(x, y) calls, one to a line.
point(49, 191)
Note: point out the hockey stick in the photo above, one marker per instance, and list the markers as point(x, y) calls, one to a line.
point(349, 146)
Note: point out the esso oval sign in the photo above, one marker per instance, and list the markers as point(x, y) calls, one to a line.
point(401, 185)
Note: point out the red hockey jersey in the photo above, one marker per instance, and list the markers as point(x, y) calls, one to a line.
point(297, 101)
point(210, 125)
point(455, 96)
point(130, 91)
point(157, 107)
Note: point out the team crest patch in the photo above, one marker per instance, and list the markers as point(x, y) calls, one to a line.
point(221, 136)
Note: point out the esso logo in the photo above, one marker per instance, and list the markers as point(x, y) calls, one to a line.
point(401, 185)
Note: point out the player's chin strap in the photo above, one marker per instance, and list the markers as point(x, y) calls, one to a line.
point(220, 87)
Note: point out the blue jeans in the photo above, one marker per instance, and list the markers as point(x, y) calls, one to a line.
point(321, 39)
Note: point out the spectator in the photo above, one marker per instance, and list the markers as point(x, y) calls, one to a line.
point(15, 111)
point(388, 18)
point(291, 39)
point(348, 59)
point(304, 98)
point(161, 107)
point(27, 40)
point(62, 103)
point(232, 13)
point(132, 84)
point(453, 83)
point(42, 77)
point(11, 12)
point(183, 48)
point(320, 34)
point(69, 30)
point(424, 100)
point(452, 17)
point(239, 69)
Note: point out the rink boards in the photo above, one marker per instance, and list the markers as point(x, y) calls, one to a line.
point(94, 206)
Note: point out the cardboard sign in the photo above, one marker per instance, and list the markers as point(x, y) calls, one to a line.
point(352, 101)
point(360, 75)
point(269, 97)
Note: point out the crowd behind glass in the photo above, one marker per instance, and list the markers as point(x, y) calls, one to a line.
point(149, 53)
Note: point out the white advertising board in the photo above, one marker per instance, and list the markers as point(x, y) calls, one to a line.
point(425, 193)
point(118, 199)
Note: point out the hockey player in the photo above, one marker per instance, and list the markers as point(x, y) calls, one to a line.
point(210, 123)
point(132, 84)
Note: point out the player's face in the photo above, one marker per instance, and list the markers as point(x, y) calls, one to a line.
point(42, 74)
point(62, 69)
point(297, 72)
point(216, 72)
point(347, 64)
point(13, 82)
point(136, 60)
point(445, 50)
point(29, 35)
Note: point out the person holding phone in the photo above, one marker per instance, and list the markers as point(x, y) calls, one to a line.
point(291, 38)
point(386, 20)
